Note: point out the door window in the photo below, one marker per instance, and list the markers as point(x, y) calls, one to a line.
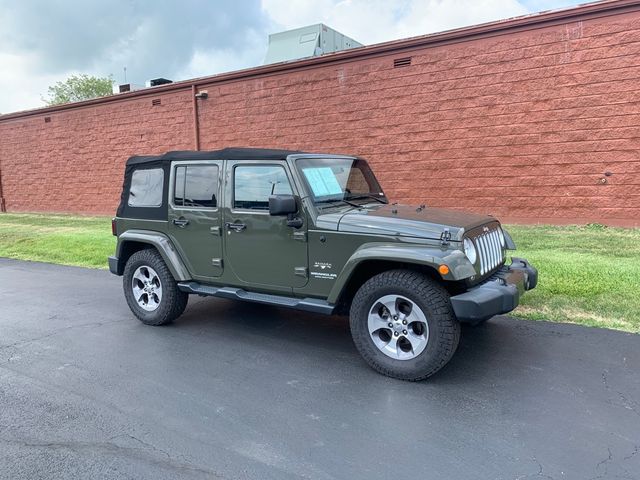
point(254, 184)
point(196, 186)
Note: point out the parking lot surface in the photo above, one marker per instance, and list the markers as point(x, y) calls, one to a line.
point(244, 391)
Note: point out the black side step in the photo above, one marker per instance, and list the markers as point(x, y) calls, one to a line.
point(315, 305)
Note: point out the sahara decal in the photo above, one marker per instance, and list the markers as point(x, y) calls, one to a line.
point(323, 273)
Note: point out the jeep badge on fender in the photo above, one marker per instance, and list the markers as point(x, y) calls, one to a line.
point(311, 232)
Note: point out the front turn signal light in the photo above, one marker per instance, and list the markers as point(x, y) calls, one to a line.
point(443, 269)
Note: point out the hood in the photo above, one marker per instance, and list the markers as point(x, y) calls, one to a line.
point(406, 221)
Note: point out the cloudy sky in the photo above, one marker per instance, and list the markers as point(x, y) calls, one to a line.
point(44, 41)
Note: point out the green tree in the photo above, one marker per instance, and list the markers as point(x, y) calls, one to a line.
point(79, 87)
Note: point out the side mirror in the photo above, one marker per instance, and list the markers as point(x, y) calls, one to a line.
point(282, 205)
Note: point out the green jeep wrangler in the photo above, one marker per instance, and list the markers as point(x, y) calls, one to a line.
point(313, 232)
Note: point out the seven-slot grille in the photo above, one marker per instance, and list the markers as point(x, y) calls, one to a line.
point(490, 251)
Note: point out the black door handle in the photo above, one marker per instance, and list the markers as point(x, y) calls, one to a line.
point(238, 227)
point(180, 222)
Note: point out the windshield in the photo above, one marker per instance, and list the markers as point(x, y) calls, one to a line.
point(331, 180)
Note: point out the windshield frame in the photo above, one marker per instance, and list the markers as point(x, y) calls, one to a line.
point(340, 200)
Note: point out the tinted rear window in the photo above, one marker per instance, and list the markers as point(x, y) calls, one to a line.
point(146, 188)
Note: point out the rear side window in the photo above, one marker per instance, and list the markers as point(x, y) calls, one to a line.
point(254, 184)
point(196, 186)
point(146, 188)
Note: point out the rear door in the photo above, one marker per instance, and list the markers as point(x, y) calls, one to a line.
point(195, 222)
point(261, 249)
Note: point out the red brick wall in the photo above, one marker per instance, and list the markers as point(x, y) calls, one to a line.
point(523, 125)
point(75, 163)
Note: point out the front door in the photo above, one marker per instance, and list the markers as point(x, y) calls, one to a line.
point(261, 249)
point(195, 223)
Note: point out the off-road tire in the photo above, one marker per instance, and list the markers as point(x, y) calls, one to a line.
point(173, 301)
point(432, 299)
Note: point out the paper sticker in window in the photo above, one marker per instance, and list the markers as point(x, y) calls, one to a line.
point(322, 181)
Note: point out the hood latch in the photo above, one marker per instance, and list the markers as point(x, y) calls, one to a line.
point(445, 237)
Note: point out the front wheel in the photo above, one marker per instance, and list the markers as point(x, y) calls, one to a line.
point(403, 325)
point(150, 290)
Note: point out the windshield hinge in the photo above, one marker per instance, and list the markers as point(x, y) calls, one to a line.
point(445, 237)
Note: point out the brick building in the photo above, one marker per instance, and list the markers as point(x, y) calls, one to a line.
point(533, 119)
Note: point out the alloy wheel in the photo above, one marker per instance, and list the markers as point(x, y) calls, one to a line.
point(398, 327)
point(147, 289)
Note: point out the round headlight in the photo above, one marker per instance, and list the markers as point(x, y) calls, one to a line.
point(501, 235)
point(470, 250)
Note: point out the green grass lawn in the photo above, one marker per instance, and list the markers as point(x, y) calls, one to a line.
point(588, 274)
point(64, 239)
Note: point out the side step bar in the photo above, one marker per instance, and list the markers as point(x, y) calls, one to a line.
point(315, 305)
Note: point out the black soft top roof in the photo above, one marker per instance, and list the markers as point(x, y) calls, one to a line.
point(224, 154)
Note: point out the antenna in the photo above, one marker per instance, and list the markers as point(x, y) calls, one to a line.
point(125, 74)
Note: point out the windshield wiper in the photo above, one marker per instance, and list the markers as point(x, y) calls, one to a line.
point(355, 205)
point(365, 195)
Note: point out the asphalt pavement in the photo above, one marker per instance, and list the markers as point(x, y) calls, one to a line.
point(243, 391)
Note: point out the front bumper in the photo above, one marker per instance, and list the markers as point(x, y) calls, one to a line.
point(498, 294)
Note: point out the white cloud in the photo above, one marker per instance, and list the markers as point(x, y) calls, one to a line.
point(211, 61)
point(19, 90)
point(60, 37)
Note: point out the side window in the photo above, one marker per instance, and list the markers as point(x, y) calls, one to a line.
point(196, 186)
point(146, 188)
point(254, 184)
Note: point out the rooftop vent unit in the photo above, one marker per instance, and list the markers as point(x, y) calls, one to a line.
point(305, 42)
point(154, 82)
point(128, 87)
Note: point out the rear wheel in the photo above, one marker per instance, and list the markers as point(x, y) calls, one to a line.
point(150, 290)
point(403, 325)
